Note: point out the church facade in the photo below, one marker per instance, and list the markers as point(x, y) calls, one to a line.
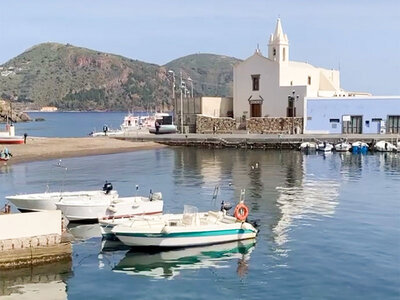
point(274, 86)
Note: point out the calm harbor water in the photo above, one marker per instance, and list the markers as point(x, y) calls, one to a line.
point(329, 227)
point(69, 124)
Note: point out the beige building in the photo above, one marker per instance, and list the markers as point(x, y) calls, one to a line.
point(262, 85)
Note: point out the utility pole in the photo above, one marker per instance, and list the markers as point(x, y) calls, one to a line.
point(181, 87)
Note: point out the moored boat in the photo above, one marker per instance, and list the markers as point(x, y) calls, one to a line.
point(308, 146)
point(192, 228)
point(48, 200)
point(90, 210)
point(383, 146)
point(359, 147)
point(324, 147)
point(343, 147)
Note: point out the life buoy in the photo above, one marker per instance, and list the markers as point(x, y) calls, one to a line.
point(241, 212)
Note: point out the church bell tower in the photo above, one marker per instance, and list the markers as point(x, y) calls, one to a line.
point(278, 46)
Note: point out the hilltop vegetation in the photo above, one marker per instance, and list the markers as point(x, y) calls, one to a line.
point(74, 78)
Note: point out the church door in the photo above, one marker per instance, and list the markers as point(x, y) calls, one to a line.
point(255, 110)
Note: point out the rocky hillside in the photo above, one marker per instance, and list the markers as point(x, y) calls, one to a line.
point(8, 113)
point(73, 78)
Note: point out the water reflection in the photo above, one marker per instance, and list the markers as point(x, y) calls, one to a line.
point(84, 231)
point(41, 282)
point(168, 264)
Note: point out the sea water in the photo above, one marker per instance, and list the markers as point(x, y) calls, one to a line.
point(329, 226)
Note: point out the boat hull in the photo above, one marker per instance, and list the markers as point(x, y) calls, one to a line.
point(47, 201)
point(184, 239)
point(91, 212)
point(12, 140)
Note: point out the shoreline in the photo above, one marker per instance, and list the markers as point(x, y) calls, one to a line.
point(43, 148)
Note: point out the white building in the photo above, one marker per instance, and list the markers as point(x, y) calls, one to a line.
point(261, 85)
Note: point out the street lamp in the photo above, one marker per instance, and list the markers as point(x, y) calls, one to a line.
point(291, 110)
point(191, 86)
point(180, 88)
point(173, 91)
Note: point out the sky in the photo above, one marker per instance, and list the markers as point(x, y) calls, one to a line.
point(361, 38)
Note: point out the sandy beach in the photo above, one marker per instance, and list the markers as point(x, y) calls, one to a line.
point(40, 148)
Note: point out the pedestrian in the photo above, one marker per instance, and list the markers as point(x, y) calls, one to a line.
point(25, 135)
point(157, 124)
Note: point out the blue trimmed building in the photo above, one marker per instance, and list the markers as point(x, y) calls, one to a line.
point(349, 115)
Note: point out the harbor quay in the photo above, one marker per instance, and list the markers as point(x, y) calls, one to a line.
point(258, 141)
point(27, 240)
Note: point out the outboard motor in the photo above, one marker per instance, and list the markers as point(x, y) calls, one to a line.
point(107, 187)
point(225, 206)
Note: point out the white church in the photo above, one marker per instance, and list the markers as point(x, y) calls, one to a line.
point(262, 85)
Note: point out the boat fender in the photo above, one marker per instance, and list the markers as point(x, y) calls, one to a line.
point(241, 212)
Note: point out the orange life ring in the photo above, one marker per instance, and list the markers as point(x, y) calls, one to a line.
point(241, 212)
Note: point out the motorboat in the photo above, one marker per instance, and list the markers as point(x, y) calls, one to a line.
point(308, 146)
point(162, 124)
point(48, 200)
point(359, 147)
point(192, 228)
point(343, 147)
point(324, 147)
point(383, 146)
point(91, 209)
point(170, 263)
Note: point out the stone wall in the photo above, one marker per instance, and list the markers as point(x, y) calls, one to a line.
point(214, 125)
point(275, 125)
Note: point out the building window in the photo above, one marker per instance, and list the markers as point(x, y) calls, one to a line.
point(309, 80)
point(393, 124)
point(274, 51)
point(284, 54)
point(334, 120)
point(256, 82)
point(291, 83)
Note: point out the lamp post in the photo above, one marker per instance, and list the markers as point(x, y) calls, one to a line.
point(173, 91)
point(181, 87)
point(292, 107)
point(191, 86)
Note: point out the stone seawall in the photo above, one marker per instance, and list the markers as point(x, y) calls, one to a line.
point(206, 124)
point(275, 125)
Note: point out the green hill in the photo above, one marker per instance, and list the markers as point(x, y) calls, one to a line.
point(74, 78)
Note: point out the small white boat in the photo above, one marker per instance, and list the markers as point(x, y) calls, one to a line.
point(191, 228)
point(325, 147)
point(48, 200)
point(383, 146)
point(90, 210)
point(343, 147)
point(359, 147)
point(308, 146)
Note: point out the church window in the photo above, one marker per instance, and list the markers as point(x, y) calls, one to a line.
point(309, 80)
point(274, 51)
point(256, 82)
point(284, 54)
